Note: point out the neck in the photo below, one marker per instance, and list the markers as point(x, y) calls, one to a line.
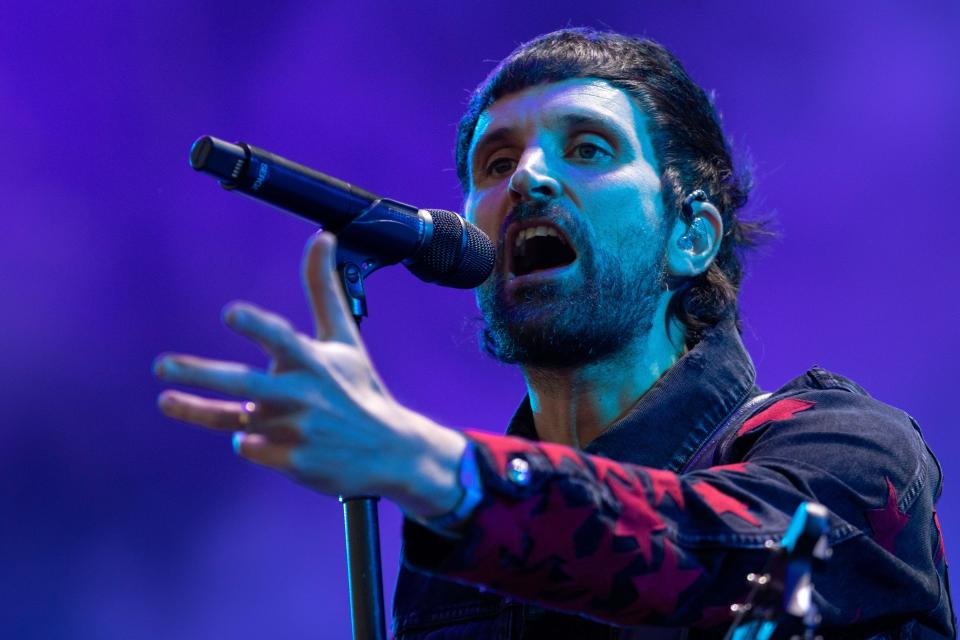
point(573, 406)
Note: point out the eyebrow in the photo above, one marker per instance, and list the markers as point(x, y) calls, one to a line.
point(489, 139)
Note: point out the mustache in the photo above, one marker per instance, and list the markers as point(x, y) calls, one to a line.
point(534, 210)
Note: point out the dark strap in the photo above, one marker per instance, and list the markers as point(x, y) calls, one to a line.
point(702, 459)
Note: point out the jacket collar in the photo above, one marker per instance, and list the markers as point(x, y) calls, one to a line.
point(671, 421)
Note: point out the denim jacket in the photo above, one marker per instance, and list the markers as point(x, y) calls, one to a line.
point(650, 530)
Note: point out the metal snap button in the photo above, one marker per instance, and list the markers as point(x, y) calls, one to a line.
point(518, 471)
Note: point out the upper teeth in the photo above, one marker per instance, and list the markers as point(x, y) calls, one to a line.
point(525, 234)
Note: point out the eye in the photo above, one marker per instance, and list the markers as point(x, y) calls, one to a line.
point(590, 148)
point(587, 151)
point(500, 166)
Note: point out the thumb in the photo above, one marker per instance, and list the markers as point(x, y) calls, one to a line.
point(331, 312)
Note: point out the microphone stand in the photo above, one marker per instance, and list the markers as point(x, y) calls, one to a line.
point(341, 208)
point(360, 518)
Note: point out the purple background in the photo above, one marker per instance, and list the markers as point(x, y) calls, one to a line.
point(117, 523)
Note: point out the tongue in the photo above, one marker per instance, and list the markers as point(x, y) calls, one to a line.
point(540, 253)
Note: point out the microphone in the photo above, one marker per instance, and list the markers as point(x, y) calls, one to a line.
point(435, 245)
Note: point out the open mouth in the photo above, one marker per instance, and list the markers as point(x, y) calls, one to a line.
point(538, 248)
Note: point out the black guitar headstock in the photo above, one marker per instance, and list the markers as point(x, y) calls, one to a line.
point(780, 605)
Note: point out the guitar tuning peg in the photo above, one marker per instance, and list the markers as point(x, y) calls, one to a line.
point(760, 579)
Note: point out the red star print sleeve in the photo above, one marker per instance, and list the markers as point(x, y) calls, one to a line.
point(632, 545)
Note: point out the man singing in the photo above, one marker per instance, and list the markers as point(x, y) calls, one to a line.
point(644, 472)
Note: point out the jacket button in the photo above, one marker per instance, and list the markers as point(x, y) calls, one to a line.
point(518, 471)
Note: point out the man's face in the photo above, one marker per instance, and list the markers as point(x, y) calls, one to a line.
point(563, 179)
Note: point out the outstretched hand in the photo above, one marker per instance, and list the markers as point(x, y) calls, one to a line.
point(319, 413)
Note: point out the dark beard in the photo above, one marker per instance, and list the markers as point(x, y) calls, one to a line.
point(545, 327)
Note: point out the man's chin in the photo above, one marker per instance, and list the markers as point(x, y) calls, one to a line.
point(542, 335)
point(503, 303)
point(532, 309)
point(576, 317)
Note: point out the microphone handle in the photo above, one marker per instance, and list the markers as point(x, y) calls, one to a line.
point(320, 198)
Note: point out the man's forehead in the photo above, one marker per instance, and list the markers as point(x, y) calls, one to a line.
point(557, 104)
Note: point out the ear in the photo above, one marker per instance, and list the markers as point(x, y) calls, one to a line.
point(693, 246)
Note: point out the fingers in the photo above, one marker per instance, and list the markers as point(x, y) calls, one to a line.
point(219, 414)
point(257, 448)
point(215, 414)
point(231, 378)
point(270, 331)
point(224, 415)
point(331, 312)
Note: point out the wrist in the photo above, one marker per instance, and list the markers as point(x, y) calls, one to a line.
point(471, 494)
point(426, 479)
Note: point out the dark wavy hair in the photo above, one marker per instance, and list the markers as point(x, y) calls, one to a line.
point(691, 150)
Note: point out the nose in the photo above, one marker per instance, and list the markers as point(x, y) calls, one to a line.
point(532, 179)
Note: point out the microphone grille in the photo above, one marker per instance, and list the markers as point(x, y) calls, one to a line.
point(477, 260)
point(452, 259)
point(441, 254)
